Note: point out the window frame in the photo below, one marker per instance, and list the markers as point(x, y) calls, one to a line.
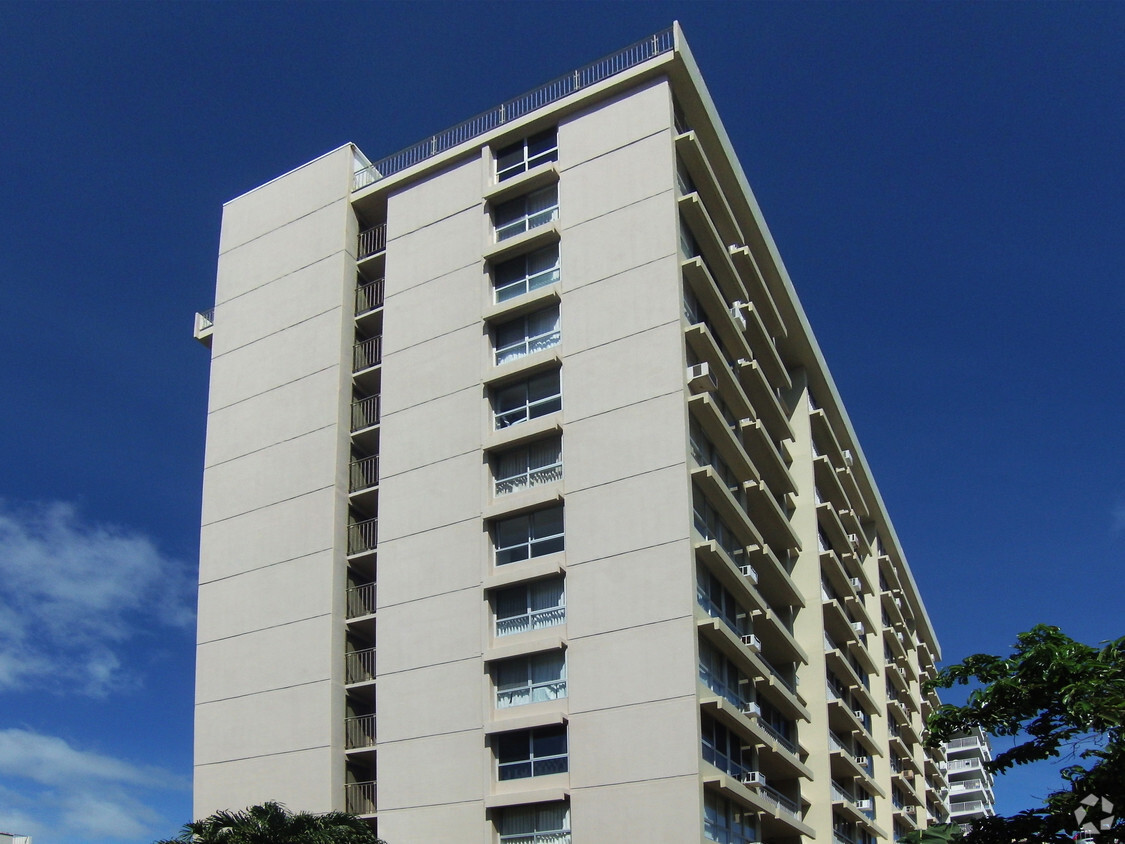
point(529, 154)
point(541, 822)
point(554, 614)
point(528, 343)
point(528, 216)
point(554, 763)
point(534, 545)
point(530, 407)
point(508, 693)
point(529, 279)
point(527, 475)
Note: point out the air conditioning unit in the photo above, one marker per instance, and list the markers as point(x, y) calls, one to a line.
point(942, 765)
point(857, 626)
point(853, 538)
point(912, 811)
point(701, 379)
point(863, 761)
point(752, 642)
point(737, 315)
point(849, 459)
point(865, 804)
point(749, 572)
point(856, 583)
point(752, 707)
point(752, 778)
point(858, 713)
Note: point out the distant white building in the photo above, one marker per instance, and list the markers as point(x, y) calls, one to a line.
point(12, 838)
point(970, 784)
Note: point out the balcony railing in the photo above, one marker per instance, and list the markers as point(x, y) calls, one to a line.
point(361, 600)
point(583, 77)
point(372, 241)
point(359, 798)
point(206, 317)
point(369, 296)
point(363, 536)
point(367, 353)
point(786, 804)
point(359, 666)
point(561, 836)
point(359, 731)
point(365, 413)
point(363, 473)
point(960, 743)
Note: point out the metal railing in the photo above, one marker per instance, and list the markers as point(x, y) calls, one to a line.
point(583, 77)
point(359, 666)
point(367, 353)
point(968, 741)
point(206, 317)
point(372, 241)
point(365, 413)
point(786, 804)
point(369, 296)
point(363, 473)
point(361, 600)
point(363, 536)
point(359, 731)
point(560, 836)
point(359, 798)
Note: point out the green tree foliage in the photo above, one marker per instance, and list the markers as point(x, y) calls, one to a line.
point(1066, 700)
point(272, 823)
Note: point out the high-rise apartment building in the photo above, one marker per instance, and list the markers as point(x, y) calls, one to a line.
point(531, 512)
point(970, 782)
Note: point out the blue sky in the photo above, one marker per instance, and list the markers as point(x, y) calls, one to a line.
point(944, 181)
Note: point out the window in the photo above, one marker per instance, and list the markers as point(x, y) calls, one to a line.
point(526, 335)
point(537, 396)
point(526, 273)
point(542, 823)
point(529, 465)
point(721, 676)
point(524, 213)
point(523, 155)
point(530, 679)
point(530, 606)
point(532, 753)
point(529, 535)
point(726, 822)
point(719, 603)
point(722, 747)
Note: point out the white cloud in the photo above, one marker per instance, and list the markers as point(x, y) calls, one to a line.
point(52, 761)
point(53, 790)
point(75, 593)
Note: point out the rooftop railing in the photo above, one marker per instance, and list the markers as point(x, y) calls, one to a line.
point(583, 77)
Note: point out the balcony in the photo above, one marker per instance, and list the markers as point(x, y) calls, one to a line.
point(367, 355)
point(359, 798)
point(369, 297)
point(359, 666)
point(372, 242)
point(359, 732)
point(363, 474)
point(361, 600)
point(205, 326)
point(365, 413)
point(363, 537)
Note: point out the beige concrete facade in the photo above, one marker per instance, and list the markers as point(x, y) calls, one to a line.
point(531, 512)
